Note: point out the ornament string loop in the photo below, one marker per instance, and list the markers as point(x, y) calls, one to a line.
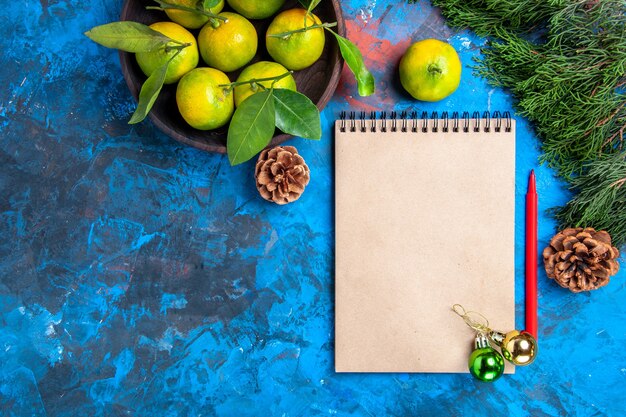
point(473, 319)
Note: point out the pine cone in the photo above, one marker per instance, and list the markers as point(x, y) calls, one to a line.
point(281, 174)
point(581, 259)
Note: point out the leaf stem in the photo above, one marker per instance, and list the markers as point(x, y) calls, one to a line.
point(165, 5)
point(179, 47)
point(257, 80)
point(285, 35)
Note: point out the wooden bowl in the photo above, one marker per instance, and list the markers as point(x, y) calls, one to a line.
point(318, 82)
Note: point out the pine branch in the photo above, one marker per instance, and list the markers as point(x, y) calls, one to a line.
point(490, 17)
point(601, 198)
point(568, 84)
point(565, 63)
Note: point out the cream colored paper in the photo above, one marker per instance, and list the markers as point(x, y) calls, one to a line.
point(423, 221)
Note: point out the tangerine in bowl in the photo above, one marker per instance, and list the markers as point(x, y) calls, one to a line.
point(318, 81)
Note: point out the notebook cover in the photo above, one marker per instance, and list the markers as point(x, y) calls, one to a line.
point(423, 221)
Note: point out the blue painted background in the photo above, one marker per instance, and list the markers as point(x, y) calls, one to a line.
point(142, 277)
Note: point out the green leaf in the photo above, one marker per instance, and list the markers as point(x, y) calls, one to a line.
point(296, 114)
point(309, 4)
point(251, 128)
point(312, 5)
point(365, 80)
point(149, 92)
point(207, 4)
point(128, 36)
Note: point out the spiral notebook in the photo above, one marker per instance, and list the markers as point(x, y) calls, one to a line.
point(425, 213)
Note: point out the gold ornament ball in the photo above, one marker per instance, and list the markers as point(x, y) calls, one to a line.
point(519, 348)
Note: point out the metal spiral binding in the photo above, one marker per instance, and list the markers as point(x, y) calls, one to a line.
point(507, 117)
point(435, 118)
point(476, 117)
point(455, 123)
point(424, 122)
point(414, 118)
point(362, 123)
point(487, 117)
point(410, 122)
point(496, 115)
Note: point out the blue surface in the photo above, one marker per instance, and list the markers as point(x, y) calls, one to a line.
point(142, 277)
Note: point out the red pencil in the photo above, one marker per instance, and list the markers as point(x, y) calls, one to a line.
point(531, 256)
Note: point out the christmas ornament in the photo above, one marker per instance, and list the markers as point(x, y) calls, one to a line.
point(519, 348)
point(581, 259)
point(485, 363)
point(281, 174)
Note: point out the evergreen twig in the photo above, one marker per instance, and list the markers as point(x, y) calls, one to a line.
point(565, 63)
point(601, 198)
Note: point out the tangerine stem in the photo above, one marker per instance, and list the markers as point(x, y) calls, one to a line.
point(257, 80)
point(285, 35)
point(165, 5)
point(434, 69)
point(178, 47)
point(178, 42)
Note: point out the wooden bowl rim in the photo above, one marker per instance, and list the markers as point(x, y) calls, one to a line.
point(221, 148)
